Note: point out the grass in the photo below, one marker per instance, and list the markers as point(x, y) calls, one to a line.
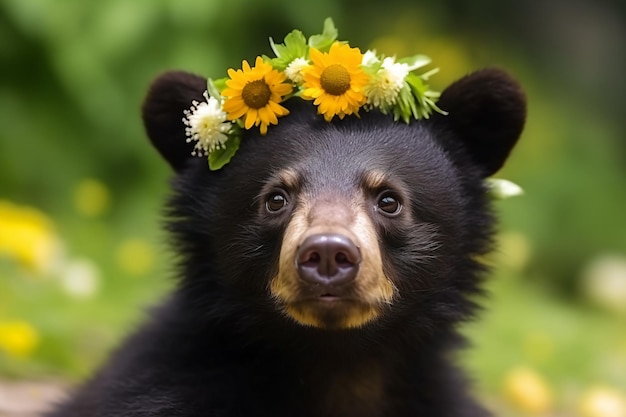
point(571, 347)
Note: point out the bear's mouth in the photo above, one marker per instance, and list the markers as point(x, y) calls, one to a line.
point(327, 293)
point(325, 298)
point(329, 297)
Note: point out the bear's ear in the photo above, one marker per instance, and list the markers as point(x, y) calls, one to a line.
point(168, 96)
point(487, 110)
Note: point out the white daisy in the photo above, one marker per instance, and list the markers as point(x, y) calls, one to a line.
point(395, 72)
point(294, 70)
point(369, 58)
point(384, 86)
point(206, 124)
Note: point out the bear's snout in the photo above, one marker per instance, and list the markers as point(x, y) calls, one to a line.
point(330, 269)
point(328, 261)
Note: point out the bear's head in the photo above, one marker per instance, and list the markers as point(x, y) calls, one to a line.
point(360, 223)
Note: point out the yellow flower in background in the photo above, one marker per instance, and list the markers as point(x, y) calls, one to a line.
point(335, 81)
point(28, 236)
point(528, 391)
point(601, 401)
point(514, 249)
point(91, 198)
point(18, 338)
point(255, 93)
point(135, 257)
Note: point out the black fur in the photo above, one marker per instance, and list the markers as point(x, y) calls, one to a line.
point(219, 347)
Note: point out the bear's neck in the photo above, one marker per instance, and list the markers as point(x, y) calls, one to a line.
point(329, 373)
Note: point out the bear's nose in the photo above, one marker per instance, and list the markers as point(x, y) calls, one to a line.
point(328, 259)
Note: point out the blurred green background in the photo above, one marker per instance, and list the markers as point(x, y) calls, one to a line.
point(81, 251)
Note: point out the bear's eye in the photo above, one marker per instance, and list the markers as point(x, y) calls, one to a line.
point(276, 202)
point(388, 204)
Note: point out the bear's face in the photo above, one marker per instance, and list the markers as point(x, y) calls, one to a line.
point(350, 214)
point(345, 224)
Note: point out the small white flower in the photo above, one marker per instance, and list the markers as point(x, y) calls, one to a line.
point(369, 58)
point(385, 85)
point(80, 278)
point(499, 189)
point(206, 123)
point(604, 282)
point(395, 72)
point(295, 68)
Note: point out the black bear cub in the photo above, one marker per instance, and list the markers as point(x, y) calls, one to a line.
point(322, 272)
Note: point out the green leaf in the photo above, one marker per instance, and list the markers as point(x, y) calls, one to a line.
point(425, 76)
point(215, 87)
point(423, 97)
point(417, 85)
point(294, 46)
point(326, 39)
point(405, 105)
point(220, 157)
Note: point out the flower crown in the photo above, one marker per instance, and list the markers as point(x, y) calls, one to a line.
point(338, 78)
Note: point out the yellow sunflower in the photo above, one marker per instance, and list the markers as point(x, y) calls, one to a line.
point(255, 92)
point(335, 81)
